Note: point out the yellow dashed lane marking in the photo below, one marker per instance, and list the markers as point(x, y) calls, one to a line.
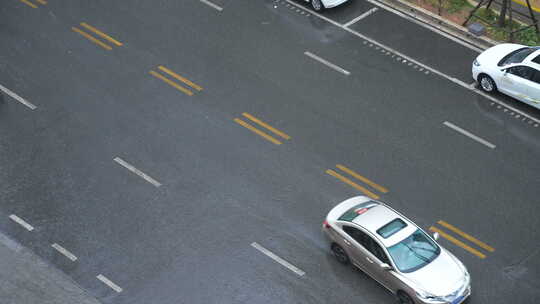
point(172, 83)
point(89, 37)
point(466, 236)
point(363, 179)
point(182, 79)
point(351, 183)
point(100, 33)
point(458, 242)
point(267, 126)
point(257, 131)
point(28, 3)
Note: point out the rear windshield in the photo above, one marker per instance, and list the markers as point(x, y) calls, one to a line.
point(517, 56)
point(355, 211)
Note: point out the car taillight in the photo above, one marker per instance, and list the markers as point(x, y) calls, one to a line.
point(326, 225)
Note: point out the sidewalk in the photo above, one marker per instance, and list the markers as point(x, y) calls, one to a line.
point(26, 279)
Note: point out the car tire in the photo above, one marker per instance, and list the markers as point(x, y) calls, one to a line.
point(317, 5)
point(340, 254)
point(487, 84)
point(404, 298)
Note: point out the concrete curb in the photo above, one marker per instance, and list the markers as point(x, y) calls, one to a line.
point(439, 23)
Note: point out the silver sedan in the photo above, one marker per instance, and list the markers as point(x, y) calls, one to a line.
point(395, 252)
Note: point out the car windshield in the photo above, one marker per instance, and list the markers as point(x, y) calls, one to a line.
point(517, 56)
point(414, 252)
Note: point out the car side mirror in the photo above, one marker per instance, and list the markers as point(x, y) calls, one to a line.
point(385, 266)
point(505, 71)
point(435, 236)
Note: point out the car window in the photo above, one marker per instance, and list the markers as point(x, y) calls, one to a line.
point(522, 71)
point(517, 56)
point(377, 251)
point(536, 76)
point(414, 252)
point(367, 242)
point(357, 235)
point(536, 59)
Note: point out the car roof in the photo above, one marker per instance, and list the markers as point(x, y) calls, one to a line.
point(380, 215)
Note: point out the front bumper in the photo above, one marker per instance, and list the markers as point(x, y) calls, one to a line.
point(475, 71)
point(457, 299)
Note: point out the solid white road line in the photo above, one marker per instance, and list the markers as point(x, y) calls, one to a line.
point(17, 97)
point(219, 8)
point(327, 63)
point(431, 28)
point(469, 134)
point(454, 80)
point(21, 222)
point(109, 283)
point(278, 259)
point(137, 171)
point(65, 252)
point(364, 15)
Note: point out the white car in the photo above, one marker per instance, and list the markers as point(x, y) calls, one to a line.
point(512, 69)
point(319, 5)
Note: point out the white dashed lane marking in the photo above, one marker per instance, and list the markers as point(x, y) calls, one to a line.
point(327, 63)
point(65, 252)
point(276, 258)
point(17, 97)
point(469, 134)
point(425, 68)
point(215, 6)
point(21, 222)
point(109, 283)
point(137, 171)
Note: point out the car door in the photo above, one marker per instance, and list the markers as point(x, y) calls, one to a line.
point(353, 242)
point(534, 89)
point(516, 81)
point(378, 256)
point(369, 255)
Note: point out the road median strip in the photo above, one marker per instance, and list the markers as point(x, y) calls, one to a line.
point(177, 77)
point(264, 125)
point(98, 33)
point(360, 178)
point(33, 5)
point(463, 235)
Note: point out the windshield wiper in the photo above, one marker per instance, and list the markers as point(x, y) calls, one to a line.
point(426, 249)
point(416, 254)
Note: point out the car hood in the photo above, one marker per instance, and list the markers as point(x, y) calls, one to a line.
point(494, 54)
point(441, 277)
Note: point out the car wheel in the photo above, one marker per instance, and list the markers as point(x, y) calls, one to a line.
point(317, 5)
point(404, 298)
point(487, 84)
point(340, 254)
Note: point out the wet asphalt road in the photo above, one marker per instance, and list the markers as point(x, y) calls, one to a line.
point(223, 187)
